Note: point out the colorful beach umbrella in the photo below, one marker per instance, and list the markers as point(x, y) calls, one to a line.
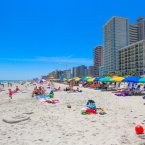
point(84, 78)
point(70, 80)
point(133, 79)
point(118, 79)
point(96, 79)
point(106, 79)
point(90, 80)
point(77, 79)
point(142, 80)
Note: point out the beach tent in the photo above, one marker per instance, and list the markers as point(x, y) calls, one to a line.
point(117, 79)
point(133, 79)
point(142, 80)
point(42, 81)
point(106, 79)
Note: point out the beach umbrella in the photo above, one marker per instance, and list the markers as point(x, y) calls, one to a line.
point(133, 79)
point(96, 79)
point(64, 79)
point(106, 79)
point(142, 80)
point(91, 80)
point(118, 79)
point(77, 79)
point(70, 80)
point(84, 78)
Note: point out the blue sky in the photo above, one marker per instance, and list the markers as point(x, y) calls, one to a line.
point(37, 37)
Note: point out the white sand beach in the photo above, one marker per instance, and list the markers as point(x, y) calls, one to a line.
point(55, 124)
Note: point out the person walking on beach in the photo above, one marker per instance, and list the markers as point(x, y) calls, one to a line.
point(10, 93)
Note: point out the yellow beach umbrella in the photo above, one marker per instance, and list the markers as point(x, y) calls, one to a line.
point(117, 79)
point(90, 80)
point(77, 79)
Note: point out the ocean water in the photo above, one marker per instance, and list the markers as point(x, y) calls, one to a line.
point(10, 81)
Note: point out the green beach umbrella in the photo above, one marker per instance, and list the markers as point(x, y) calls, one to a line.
point(106, 79)
point(84, 78)
point(142, 80)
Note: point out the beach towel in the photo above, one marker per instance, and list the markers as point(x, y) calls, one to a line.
point(123, 95)
point(88, 111)
point(42, 97)
point(52, 101)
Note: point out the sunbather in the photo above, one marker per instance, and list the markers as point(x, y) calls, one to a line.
point(38, 91)
point(77, 90)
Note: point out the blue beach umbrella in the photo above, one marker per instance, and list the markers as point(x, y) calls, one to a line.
point(133, 79)
point(96, 79)
point(84, 78)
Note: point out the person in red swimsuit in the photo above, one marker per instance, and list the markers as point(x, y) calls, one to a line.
point(10, 93)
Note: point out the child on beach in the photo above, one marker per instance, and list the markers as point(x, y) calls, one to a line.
point(10, 93)
point(17, 89)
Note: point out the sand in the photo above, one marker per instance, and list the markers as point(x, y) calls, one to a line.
point(55, 124)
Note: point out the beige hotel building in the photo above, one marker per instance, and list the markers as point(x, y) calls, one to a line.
point(132, 57)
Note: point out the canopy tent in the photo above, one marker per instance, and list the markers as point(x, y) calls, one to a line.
point(42, 81)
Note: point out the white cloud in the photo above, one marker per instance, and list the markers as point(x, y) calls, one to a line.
point(67, 60)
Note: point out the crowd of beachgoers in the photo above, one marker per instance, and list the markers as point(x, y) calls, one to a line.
point(72, 113)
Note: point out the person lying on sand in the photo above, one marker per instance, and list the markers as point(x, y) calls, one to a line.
point(17, 89)
point(77, 90)
point(67, 89)
point(57, 89)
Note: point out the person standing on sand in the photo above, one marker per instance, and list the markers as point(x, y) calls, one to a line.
point(10, 93)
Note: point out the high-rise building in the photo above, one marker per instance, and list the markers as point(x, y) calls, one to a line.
point(74, 72)
point(115, 37)
point(101, 71)
point(67, 74)
point(133, 33)
point(91, 71)
point(98, 59)
point(80, 71)
point(132, 58)
point(141, 27)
